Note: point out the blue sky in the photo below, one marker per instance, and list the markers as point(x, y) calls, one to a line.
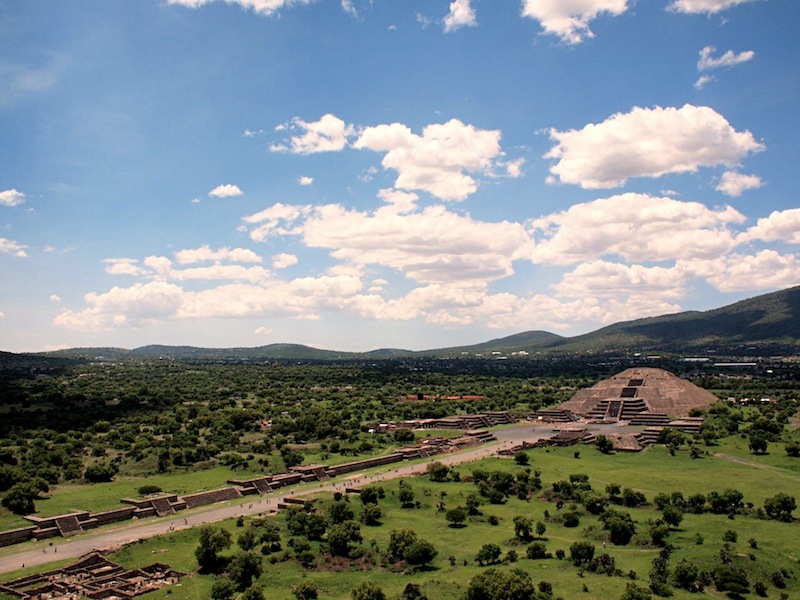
point(356, 174)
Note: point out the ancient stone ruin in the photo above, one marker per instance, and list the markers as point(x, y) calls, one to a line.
point(93, 576)
point(641, 395)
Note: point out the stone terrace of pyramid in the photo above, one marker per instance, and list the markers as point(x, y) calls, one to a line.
point(639, 391)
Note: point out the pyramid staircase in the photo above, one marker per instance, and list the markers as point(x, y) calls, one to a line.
point(649, 436)
point(69, 525)
point(650, 420)
point(163, 507)
point(554, 415)
point(262, 485)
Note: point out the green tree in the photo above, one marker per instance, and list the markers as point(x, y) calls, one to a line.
point(672, 515)
point(604, 444)
point(685, 576)
point(344, 539)
point(488, 554)
point(541, 528)
point(413, 592)
point(456, 516)
point(406, 495)
point(404, 435)
point(732, 580)
point(522, 527)
point(222, 589)
point(306, 590)
point(581, 553)
point(497, 584)
point(248, 539)
point(793, 449)
point(371, 494)
point(437, 471)
point(339, 512)
point(20, 498)
point(254, 592)
point(758, 442)
point(521, 458)
point(780, 507)
point(100, 472)
point(366, 590)
point(635, 592)
point(244, 567)
point(399, 541)
point(371, 515)
point(536, 551)
point(421, 552)
point(620, 528)
point(213, 540)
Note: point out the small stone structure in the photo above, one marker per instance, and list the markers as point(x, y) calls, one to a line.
point(166, 505)
point(93, 576)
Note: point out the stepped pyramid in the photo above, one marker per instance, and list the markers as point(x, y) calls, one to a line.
point(640, 394)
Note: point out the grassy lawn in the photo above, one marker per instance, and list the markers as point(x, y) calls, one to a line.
point(651, 472)
point(70, 497)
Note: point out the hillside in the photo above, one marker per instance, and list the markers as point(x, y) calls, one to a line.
point(767, 324)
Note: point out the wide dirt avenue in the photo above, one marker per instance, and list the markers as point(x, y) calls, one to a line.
point(113, 536)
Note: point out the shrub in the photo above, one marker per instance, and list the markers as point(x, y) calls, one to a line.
point(536, 551)
point(488, 554)
point(100, 472)
point(581, 553)
point(366, 590)
point(496, 584)
point(780, 507)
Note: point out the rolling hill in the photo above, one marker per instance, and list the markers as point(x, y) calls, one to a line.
point(763, 325)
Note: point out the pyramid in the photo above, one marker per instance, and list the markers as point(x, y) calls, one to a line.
point(639, 391)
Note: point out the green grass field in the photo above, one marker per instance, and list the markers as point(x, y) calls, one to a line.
point(66, 498)
point(651, 471)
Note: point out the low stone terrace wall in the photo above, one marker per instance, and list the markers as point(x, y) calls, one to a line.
point(75, 523)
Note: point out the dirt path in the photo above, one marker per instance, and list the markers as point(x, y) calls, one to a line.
point(750, 463)
point(39, 553)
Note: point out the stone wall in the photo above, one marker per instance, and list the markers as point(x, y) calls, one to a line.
point(211, 497)
point(16, 536)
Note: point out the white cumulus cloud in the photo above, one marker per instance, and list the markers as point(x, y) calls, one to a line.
point(329, 134)
point(461, 14)
point(744, 272)
point(636, 227)
point(438, 160)
point(598, 278)
point(205, 253)
point(261, 7)
point(708, 7)
point(702, 81)
point(11, 198)
point(729, 59)
point(305, 180)
point(569, 19)
point(11, 247)
point(138, 305)
point(734, 184)
point(647, 142)
point(283, 260)
point(780, 225)
point(225, 191)
point(429, 246)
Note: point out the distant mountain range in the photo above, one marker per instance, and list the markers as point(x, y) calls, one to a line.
point(764, 325)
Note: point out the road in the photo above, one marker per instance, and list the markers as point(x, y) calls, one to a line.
point(112, 536)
